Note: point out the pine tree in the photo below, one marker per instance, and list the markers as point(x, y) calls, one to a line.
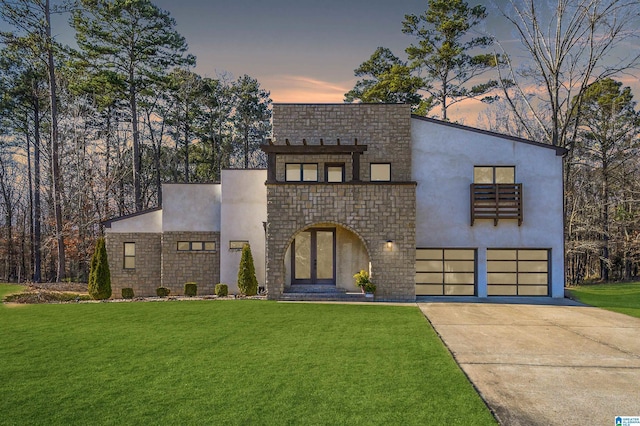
point(99, 275)
point(247, 282)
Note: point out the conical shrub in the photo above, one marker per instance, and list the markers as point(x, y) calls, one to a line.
point(247, 282)
point(99, 275)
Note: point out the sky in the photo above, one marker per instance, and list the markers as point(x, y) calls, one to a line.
point(304, 50)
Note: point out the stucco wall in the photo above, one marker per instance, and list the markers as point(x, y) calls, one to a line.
point(191, 207)
point(443, 161)
point(145, 222)
point(244, 210)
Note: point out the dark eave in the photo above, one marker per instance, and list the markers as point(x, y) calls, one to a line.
point(313, 149)
point(561, 152)
point(107, 223)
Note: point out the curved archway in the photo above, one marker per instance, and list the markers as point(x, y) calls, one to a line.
point(319, 265)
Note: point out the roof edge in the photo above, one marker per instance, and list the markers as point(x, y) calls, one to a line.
point(561, 152)
point(107, 223)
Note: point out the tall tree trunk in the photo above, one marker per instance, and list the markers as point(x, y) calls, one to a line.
point(37, 204)
point(55, 161)
point(137, 163)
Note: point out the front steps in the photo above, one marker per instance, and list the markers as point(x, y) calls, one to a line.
point(321, 293)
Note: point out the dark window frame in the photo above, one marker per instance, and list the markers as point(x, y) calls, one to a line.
point(300, 172)
point(379, 164)
point(125, 256)
point(327, 166)
point(493, 167)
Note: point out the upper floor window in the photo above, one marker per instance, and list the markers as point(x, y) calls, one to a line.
point(301, 172)
point(380, 172)
point(334, 173)
point(129, 256)
point(494, 174)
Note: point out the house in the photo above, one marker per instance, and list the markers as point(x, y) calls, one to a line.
point(428, 207)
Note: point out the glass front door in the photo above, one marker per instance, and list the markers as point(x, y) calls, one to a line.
point(313, 255)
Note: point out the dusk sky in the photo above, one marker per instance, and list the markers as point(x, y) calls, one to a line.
point(306, 51)
point(302, 51)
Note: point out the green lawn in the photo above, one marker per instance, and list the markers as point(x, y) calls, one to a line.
point(619, 297)
point(228, 362)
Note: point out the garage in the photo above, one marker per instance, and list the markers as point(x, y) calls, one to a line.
point(445, 272)
point(518, 272)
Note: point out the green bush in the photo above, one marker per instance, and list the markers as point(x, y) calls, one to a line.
point(99, 276)
point(222, 290)
point(162, 291)
point(127, 293)
point(247, 282)
point(190, 289)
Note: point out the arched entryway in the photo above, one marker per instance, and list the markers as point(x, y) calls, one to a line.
point(325, 254)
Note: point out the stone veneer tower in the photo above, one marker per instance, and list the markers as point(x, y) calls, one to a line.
point(380, 213)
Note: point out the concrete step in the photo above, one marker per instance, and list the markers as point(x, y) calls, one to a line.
point(314, 288)
point(325, 297)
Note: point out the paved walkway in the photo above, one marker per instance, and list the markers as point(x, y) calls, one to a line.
point(545, 365)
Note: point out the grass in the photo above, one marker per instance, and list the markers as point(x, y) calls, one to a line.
point(228, 362)
point(619, 297)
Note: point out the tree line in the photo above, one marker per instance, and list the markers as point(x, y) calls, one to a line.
point(91, 132)
point(557, 85)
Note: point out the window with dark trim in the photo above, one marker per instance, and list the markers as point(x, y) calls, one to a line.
point(380, 172)
point(237, 245)
point(301, 172)
point(129, 260)
point(494, 174)
point(196, 246)
point(334, 172)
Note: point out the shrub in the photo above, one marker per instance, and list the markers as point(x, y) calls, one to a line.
point(127, 293)
point(190, 289)
point(162, 291)
point(99, 276)
point(363, 281)
point(247, 282)
point(222, 290)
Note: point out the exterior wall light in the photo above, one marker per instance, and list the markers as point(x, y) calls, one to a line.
point(389, 244)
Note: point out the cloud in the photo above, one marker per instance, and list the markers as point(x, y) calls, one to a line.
point(303, 89)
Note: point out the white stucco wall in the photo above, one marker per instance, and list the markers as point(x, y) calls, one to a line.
point(244, 210)
point(150, 222)
point(191, 207)
point(442, 164)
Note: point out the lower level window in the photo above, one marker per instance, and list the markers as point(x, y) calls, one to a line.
point(196, 246)
point(445, 272)
point(129, 256)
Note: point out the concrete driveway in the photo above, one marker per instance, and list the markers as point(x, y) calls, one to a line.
point(545, 365)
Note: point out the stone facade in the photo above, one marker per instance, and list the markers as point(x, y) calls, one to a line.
point(377, 212)
point(180, 267)
point(145, 278)
point(384, 128)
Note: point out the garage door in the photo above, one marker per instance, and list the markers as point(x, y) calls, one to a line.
point(445, 272)
point(517, 272)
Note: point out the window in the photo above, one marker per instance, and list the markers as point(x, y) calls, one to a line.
point(380, 172)
point(301, 172)
point(129, 256)
point(334, 173)
point(494, 174)
point(237, 245)
point(196, 246)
